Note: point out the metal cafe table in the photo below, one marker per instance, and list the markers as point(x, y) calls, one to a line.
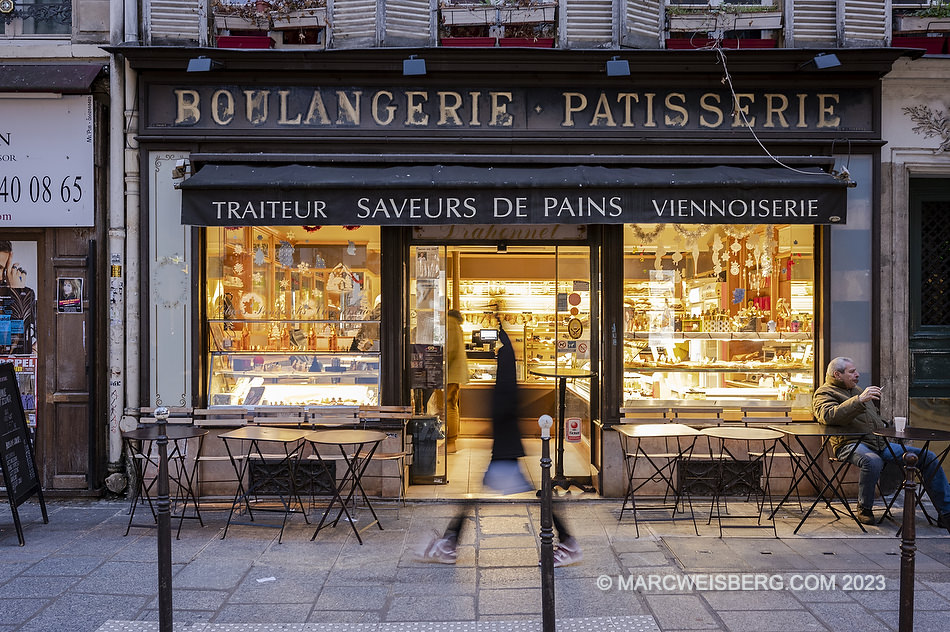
point(562, 375)
point(278, 478)
point(661, 464)
point(810, 468)
point(745, 474)
point(140, 443)
point(356, 448)
point(913, 433)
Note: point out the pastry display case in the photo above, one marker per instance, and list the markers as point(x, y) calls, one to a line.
point(293, 316)
point(727, 315)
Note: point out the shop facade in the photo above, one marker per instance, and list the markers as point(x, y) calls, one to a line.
point(53, 138)
point(308, 229)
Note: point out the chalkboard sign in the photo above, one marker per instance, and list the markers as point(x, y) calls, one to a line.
point(16, 451)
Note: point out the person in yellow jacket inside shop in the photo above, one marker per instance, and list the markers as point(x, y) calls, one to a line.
point(456, 374)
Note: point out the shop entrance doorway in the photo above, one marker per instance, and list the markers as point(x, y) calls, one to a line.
point(460, 298)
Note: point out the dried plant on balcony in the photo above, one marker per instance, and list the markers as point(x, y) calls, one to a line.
point(722, 9)
point(937, 9)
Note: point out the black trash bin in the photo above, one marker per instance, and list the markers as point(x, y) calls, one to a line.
point(426, 432)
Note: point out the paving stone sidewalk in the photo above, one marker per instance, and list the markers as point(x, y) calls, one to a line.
point(80, 573)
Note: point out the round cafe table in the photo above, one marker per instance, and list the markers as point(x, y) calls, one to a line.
point(562, 375)
point(356, 448)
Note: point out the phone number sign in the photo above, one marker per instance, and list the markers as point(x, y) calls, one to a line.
point(46, 162)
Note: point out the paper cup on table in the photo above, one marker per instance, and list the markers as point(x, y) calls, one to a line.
point(900, 423)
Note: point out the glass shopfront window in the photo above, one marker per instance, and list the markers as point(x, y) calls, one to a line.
point(719, 312)
point(293, 315)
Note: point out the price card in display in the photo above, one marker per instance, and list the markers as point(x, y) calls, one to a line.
point(46, 161)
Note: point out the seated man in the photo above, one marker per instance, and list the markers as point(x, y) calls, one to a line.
point(839, 402)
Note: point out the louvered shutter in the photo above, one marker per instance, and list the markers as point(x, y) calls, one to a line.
point(353, 23)
point(589, 23)
point(643, 21)
point(813, 24)
point(866, 22)
point(176, 22)
point(408, 23)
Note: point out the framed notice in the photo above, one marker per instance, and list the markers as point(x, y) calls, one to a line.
point(20, 477)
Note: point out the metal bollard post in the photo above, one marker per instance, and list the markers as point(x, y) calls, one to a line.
point(908, 544)
point(164, 526)
point(547, 528)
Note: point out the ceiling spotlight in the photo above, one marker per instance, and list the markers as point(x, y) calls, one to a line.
point(413, 66)
point(617, 67)
point(203, 64)
point(350, 248)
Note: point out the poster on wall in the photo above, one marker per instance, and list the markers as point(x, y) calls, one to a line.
point(69, 295)
point(18, 272)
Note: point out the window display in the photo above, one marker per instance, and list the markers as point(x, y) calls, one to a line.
point(719, 312)
point(293, 315)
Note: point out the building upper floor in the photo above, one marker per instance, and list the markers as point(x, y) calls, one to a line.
point(580, 24)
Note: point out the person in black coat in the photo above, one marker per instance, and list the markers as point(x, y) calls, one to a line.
point(504, 473)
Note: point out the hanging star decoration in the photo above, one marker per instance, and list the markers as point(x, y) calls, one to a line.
point(259, 256)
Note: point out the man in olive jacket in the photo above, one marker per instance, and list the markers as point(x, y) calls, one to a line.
point(839, 402)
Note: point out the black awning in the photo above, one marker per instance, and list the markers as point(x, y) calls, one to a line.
point(63, 78)
point(245, 195)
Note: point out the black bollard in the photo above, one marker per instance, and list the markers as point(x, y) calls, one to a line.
point(547, 528)
point(164, 527)
point(908, 544)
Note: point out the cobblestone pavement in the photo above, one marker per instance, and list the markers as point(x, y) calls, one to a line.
point(80, 573)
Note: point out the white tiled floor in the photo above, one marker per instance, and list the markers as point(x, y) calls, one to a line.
point(467, 467)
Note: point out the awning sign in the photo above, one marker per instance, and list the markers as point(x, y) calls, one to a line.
point(288, 195)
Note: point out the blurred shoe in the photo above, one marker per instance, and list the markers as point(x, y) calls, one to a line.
point(567, 552)
point(866, 516)
point(441, 551)
point(505, 477)
point(944, 521)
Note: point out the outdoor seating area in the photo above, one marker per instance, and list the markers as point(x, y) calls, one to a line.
point(763, 460)
point(283, 460)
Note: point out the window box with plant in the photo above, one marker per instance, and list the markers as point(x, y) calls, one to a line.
point(723, 17)
point(934, 18)
point(506, 22)
point(294, 14)
point(241, 16)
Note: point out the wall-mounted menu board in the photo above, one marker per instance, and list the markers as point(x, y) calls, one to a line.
point(16, 450)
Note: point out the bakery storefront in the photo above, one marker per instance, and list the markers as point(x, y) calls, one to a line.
point(309, 233)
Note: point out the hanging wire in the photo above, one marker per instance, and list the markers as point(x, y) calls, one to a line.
point(727, 79)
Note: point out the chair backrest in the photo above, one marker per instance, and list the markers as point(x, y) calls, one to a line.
point(384, 413)
point(332, 416)
point(766, 413)
point(295, 416)
point(698, 415)
point(646, 413)
point(176, 415)
point(221, 416)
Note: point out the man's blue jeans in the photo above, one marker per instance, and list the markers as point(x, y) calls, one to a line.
point(870, 462)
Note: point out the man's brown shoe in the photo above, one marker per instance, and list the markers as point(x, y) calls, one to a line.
point(866, 516)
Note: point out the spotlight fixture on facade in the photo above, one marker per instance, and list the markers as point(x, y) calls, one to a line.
point(617, 67)
point(413, 66)
point(350, 248)
point(203, 64)
point(822, 61)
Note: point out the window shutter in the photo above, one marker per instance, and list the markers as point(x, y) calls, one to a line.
point(353, 23)
point(643, 22)
point(408, 22)
point(589, 23)
point(866, 22)
point(176, 22)
point(813, 24)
